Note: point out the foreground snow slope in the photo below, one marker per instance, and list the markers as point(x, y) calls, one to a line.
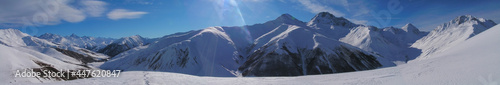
point(18, 58)
point(473, 62)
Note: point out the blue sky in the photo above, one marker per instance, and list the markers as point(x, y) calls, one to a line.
point(156, 18)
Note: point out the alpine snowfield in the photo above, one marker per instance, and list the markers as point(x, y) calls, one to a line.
point(472, 62)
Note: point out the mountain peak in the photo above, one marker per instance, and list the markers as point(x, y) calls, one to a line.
point(48, 35)
point(136, 36)
point(464, 18)
point(12, 31)
point(328, 19)
point(410, 28)
point(325, 15)
point(74, 35)
point(468, 20)
point(285, 17)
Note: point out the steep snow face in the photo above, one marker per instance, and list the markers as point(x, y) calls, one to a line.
point(370, 39)
point(12, 37)
point(124, 44)
point(86, 42)
point(16, 38)
point(132, 41)
point(331, 26)
point(391, 43)
point(410, 28)
point(209, 52)
point(325, 19)
point(287, 19)
point(257, 30)
point(296, 50)
point(450, 34)
point(412, 34)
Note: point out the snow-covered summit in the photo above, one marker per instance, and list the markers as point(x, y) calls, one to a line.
point(478, 23)
point(286, 19)
point(132, 40)
point(50, 36)
point(327, 19)
point(410, 28)
point(12, 37)
point(331, 26)
point(467, 18)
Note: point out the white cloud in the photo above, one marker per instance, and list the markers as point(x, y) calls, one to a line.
point(124, 14)
point(364, 22)
point(94, 8)
point(316, 7)
point(48, 12)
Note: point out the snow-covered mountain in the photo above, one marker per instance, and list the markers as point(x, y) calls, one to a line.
point(284, 46)
point(302, 51)
point(91, 43)
point(473, 62)
point(391, 43)
point(124, 44)
point(249, 51)
point(452, 33)
point(17, 39)
point(331, 26)
point(204, 52)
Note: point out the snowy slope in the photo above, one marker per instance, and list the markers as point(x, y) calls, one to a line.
point(473, 62)
point(450, 34)
point(302, 51)
point(391, 43)
point(19, 58)
point(194, 52)
point(21, 51)
point(207, 53)
point(86, 42)
point(331, 26)
point(12, 37)
point(16, 39)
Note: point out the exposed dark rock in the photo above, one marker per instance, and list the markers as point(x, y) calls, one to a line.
point(45, 68)
point(307, 62)
point(114, 49)
point(83, 58)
